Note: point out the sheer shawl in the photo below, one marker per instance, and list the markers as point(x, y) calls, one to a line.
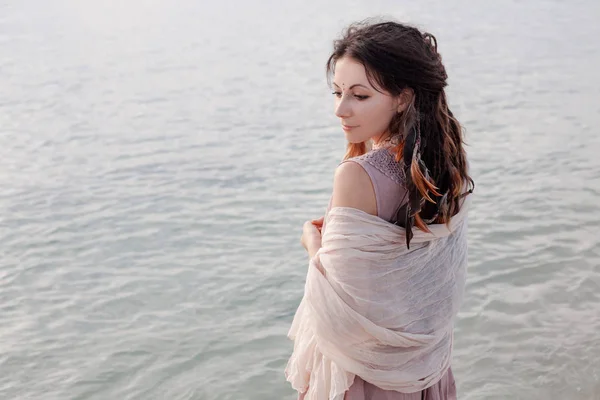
point(375, 309)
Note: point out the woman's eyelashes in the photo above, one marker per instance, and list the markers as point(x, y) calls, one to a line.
point(338, 94)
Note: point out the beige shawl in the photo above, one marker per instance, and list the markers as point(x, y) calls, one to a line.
point(374, 309)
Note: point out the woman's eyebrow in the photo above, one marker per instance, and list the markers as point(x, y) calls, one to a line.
point(356, 84)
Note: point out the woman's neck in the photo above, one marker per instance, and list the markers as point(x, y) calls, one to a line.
point(381, 142)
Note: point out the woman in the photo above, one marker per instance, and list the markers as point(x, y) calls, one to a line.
point(388, 260)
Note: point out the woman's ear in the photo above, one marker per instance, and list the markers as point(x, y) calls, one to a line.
point(404, 99)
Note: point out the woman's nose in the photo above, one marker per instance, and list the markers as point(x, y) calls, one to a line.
point(342, 109)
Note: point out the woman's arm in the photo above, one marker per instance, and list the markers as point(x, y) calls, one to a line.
point(352, 187)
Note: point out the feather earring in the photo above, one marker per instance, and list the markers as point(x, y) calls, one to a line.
point(415, 200)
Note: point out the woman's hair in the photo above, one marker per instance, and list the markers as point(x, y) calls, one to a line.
point(426, 136)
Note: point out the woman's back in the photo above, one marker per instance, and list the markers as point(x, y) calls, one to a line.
point(388, 180)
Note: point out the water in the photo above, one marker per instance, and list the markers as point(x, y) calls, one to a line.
point(158, 160)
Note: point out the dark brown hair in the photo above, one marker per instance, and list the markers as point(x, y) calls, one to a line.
point(426, 136)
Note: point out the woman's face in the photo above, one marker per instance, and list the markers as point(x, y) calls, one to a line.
point(364, 112)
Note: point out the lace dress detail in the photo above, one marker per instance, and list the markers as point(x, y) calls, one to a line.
point(385, 162)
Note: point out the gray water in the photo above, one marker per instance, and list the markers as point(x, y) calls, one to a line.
point(158, 159)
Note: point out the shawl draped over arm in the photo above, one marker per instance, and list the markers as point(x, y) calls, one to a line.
point(373, 308)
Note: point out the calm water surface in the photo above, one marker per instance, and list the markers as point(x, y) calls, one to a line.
point(158, 159)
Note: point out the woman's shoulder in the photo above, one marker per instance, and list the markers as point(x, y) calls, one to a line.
point(352, 187)
point(383, 161)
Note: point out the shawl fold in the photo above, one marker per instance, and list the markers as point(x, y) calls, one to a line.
point(373, 308)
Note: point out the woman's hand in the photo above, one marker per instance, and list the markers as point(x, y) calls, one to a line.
point(311, 236)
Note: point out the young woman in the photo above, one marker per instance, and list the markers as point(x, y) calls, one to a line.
point(388, 261)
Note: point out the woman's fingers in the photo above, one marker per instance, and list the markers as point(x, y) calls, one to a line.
point(318, 221)
point(310, 233)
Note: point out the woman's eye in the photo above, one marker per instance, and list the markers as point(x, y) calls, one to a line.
point(358, 97)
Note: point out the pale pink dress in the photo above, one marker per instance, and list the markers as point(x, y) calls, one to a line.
point(388, 182)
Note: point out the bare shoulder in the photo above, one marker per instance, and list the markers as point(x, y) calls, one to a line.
point(352, 187)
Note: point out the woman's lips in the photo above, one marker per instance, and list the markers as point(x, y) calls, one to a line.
point(347, 127)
